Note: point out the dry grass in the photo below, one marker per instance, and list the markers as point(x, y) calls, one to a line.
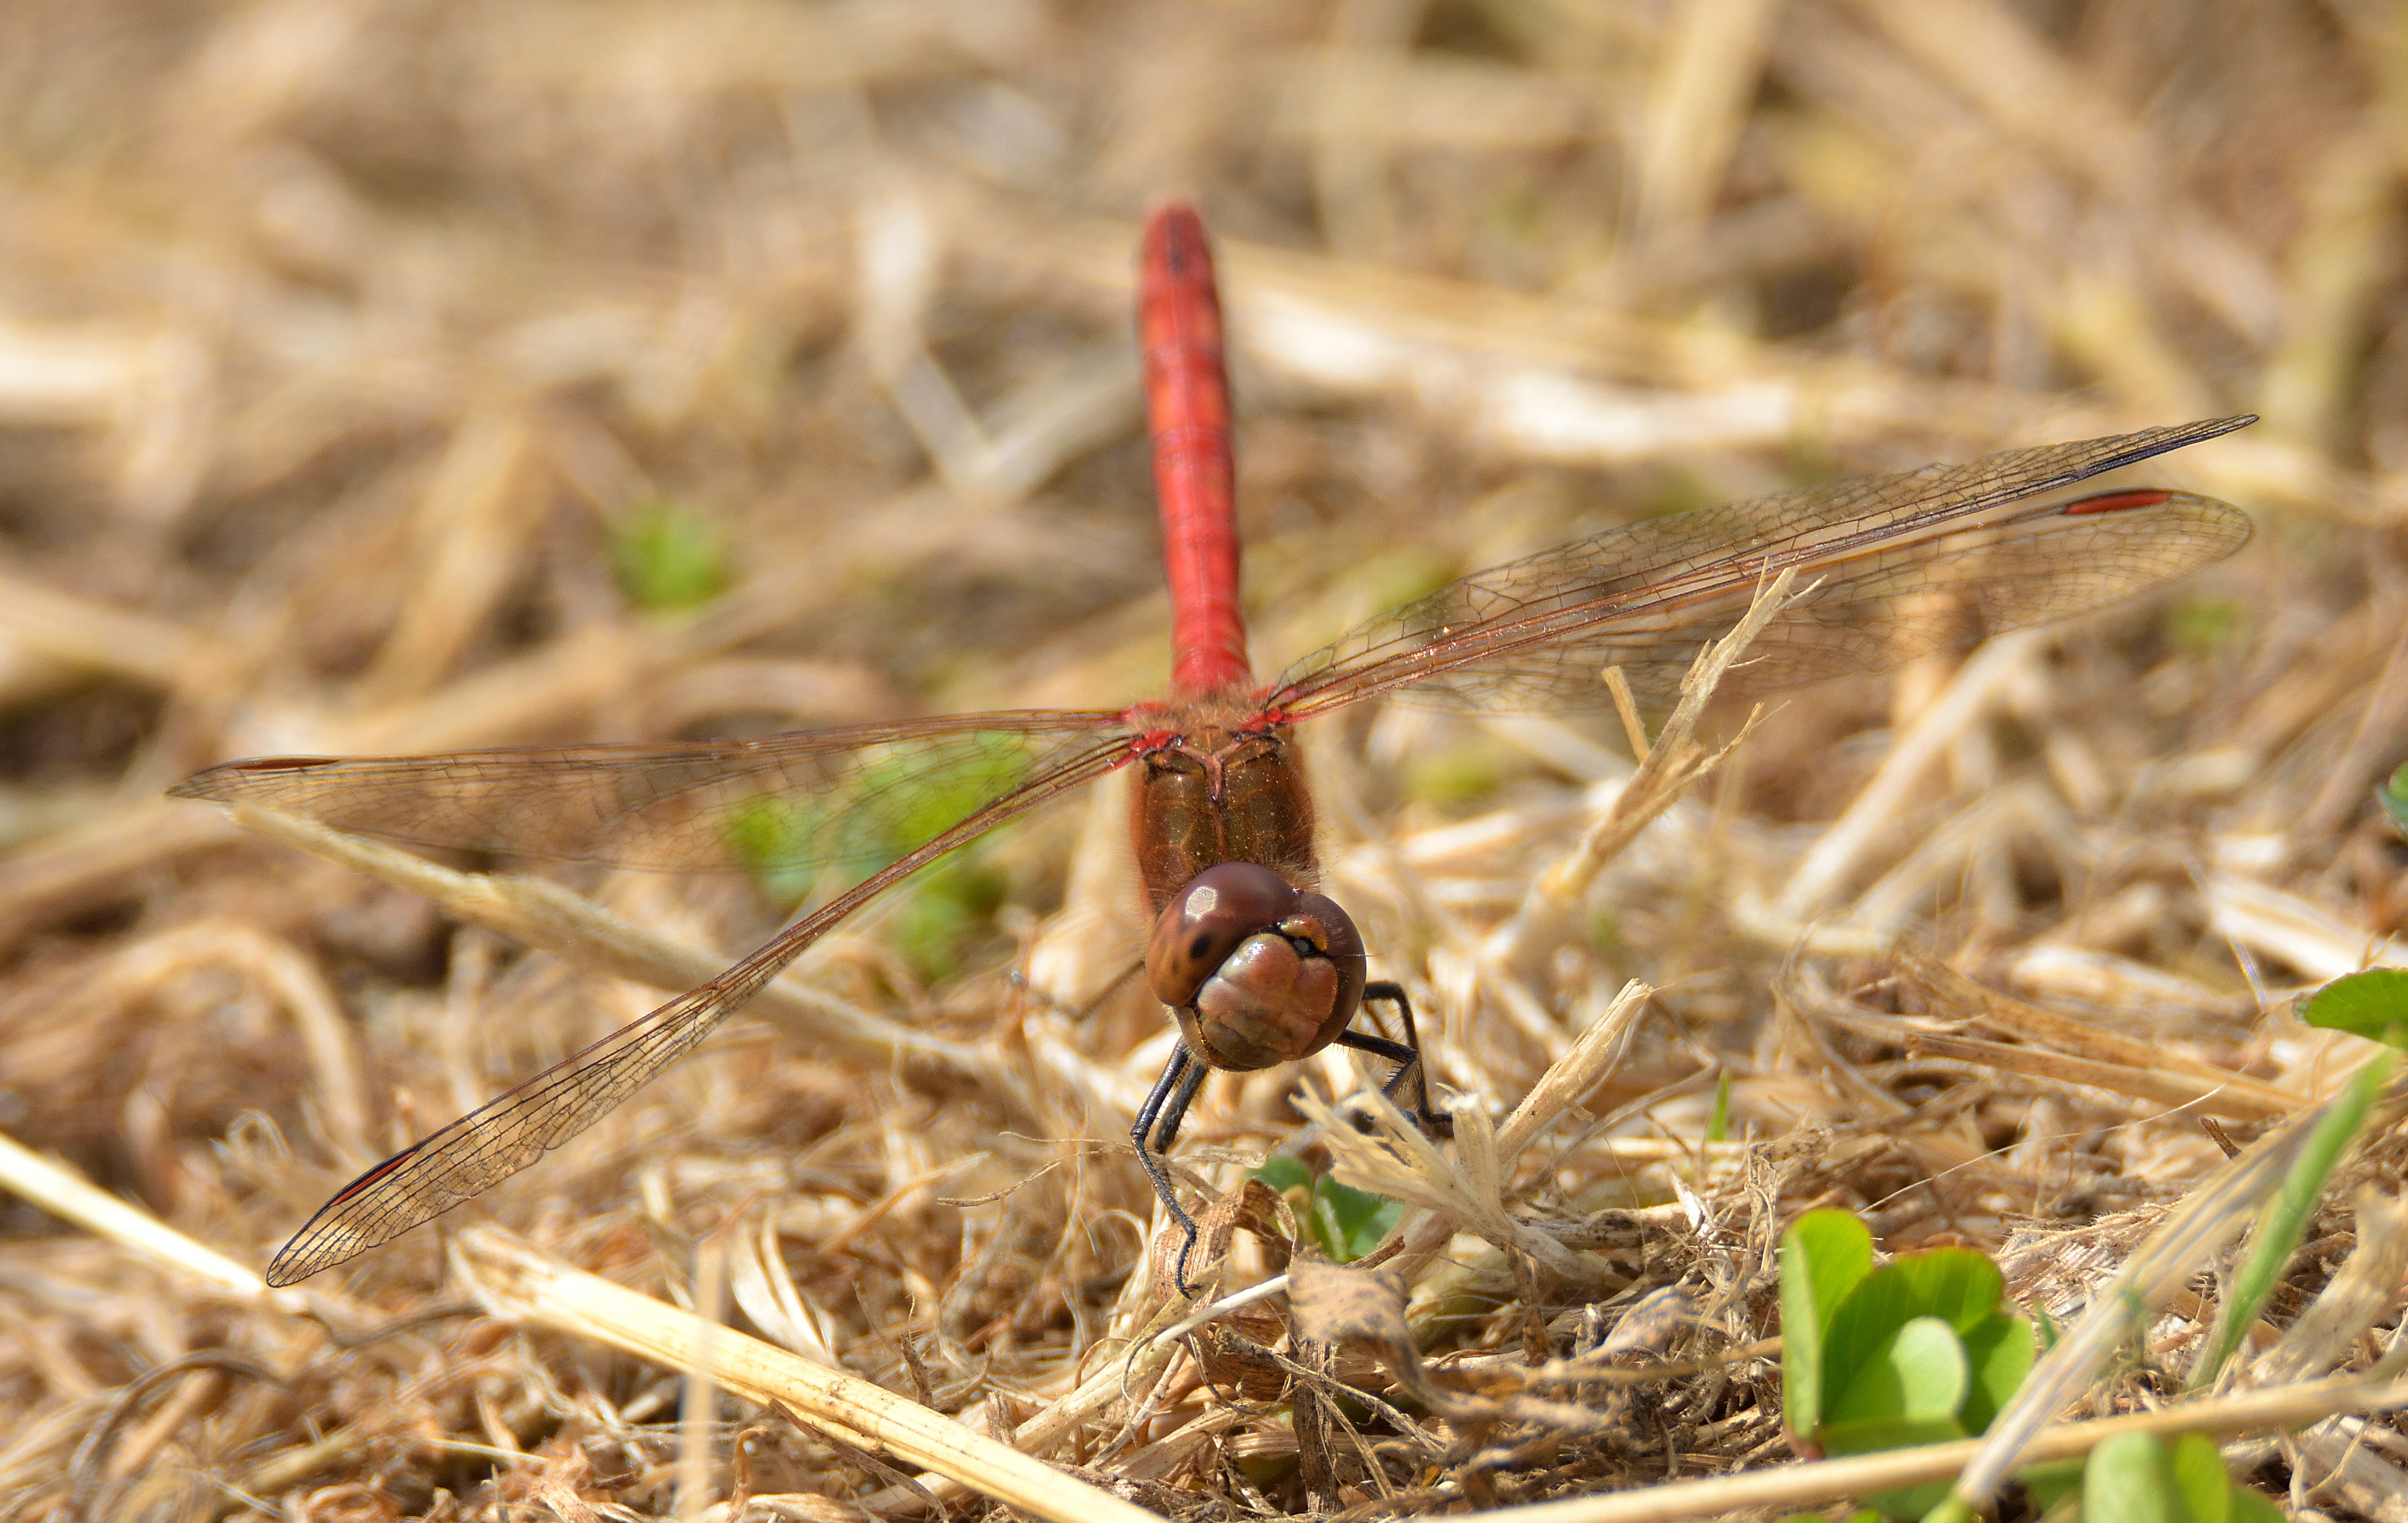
point(335, 337)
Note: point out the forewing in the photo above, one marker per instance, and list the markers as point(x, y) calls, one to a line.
point(860, 796)
point(497, 1140)
point(1899, 565)
point(487, 1146)
point(1867, 613)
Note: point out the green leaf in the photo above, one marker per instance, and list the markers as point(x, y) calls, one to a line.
point(2051, 1482)
point(1874, 1434)
point(2199, 1476)
point(1283, 1174)
point(1458, 774)
point(667, 556)
point(2130, 1479)
point(1604, 935)
point(2248, 1507)
point(1718, 1119)
point(2203, 625)
point(1999, 1348)
point(1348, 1222)
point(1678, 492)
point(1912, 1502)
point(1824, 1255)
point(773, 836)
point(1957, 1286)
point(938, 802)
point(2393, 796)
point(1918, 1375)
point(793, 844)
point(2136, 1478)
point(2373, 1005)
point(1906, 1392)
point(951, 902)
point(2284, 1217)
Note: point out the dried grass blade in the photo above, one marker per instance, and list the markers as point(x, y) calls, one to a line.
point(548, 917)
point(1561, 1086)
point(2234, 1102)
point(1819, 1481)
point(1877, 806)
point(2362, 1292)
point(524, 1286)
point(117, 642)
point(1570, 1080)
point(2232, 1098)
point(66, 1194)
point(2279, 923)
point(1952, 990)
point(1665, 770)
point(1401, 1164)
point(2210, 1216)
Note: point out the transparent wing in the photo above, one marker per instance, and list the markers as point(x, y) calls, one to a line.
point(1899, 564)
point(488, 1145)
point(861, 794)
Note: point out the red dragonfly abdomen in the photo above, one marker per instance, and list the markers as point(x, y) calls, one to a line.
point(1187, 414)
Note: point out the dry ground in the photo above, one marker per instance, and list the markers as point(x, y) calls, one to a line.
point(342, 339)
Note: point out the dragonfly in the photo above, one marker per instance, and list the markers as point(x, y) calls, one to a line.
point(1256, 965)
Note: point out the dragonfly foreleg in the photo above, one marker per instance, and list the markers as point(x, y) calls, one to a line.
point(1405, 1054)
point(1157, 1128)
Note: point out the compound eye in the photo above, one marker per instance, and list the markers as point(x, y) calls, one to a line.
point(1284, 994)
point(1207, 922)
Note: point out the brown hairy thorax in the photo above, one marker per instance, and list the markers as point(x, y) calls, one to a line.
point(1210, 792)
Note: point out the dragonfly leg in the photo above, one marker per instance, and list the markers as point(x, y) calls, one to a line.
point(1405, 1054)
point(1165, 1106)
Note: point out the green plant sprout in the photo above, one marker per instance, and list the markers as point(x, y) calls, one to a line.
point(1346, 1223)
point(667, 556)
point(2393, 796)
point(2373, 1005)
point(2141, 1478)
point(1918, 1351)
point(788, 841)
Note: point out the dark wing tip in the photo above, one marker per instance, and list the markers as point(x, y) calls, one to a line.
point(2122, 450)
point(2153, 441)
point(226, 780)
point(2216, 428)
point(2182, 436)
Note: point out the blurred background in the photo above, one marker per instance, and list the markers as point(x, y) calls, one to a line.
point(393, 375)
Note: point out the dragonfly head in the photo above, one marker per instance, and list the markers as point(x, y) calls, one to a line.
point(1259, 972)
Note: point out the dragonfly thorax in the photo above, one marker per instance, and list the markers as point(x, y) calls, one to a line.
point(1208, 794)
